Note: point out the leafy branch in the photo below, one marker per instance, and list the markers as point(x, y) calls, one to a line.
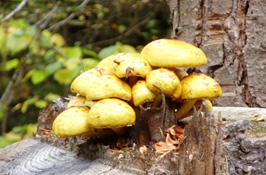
point(17, 9)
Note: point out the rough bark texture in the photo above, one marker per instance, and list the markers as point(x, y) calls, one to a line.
point(232, 33)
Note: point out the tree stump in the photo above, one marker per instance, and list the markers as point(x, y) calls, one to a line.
point(214, 143)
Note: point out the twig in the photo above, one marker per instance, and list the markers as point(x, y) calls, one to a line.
point(17, 9)
point(227, 169)
point(9, 92)
point(44, 21)
point(127, 33)
point(71, 16)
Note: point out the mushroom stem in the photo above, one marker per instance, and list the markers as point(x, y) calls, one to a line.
point(132, 80)
point(157, 101)
point(184, 109)
point(119, 131)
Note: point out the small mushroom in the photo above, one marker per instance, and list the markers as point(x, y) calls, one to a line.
point(111, 113)
point(108, 63)
point(72, 122)
point(84, 80)
point(166, 80)
point(107, 86)
point(173, 53)
point(130, 64)
point(141, 94)
point(194, 87)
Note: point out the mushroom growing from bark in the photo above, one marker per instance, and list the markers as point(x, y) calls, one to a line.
point(153, 77)
point(166, 80)
point(111, 113)
point(73, 122)
point(107, 86)
point(141, 93)
point(173, 53)
point(195, 87)
point(83, 81)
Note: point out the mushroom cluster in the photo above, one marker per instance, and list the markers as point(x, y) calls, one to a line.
point(106, 94)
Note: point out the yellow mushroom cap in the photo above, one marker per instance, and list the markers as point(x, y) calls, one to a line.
point(84, 80)
point(80, 101)
point(131, 64)
point(196, 86)
point(107, 86)
point(72, 122)
point(108, 63)
point(173, 53)
point(111, 113)
point(141, 93)
point(165, 79)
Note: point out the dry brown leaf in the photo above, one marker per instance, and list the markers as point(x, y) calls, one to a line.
point(258, 118)
point(162, 147)
point(170, 141)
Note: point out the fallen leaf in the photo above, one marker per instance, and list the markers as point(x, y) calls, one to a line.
point(162, 147)
point(170, 141)
point(143, 149)
point(258, 118)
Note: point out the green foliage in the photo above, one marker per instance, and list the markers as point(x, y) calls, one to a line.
point(117, 48)
point(11, 64)
point(17, 133)
point(38, 76)
point(49, 60)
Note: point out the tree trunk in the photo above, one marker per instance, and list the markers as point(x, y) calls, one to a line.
point(232, 33)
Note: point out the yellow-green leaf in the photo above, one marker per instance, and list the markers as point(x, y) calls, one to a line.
point(12, 64)
point(51, 68)
point(38, 77)
point(27, 103)
point(40, 103)
point(73, 52)
point(66, 76)
point(58, 40)
point(89, 63)
point(107, 51)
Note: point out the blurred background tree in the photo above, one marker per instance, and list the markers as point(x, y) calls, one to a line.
point(44, 45)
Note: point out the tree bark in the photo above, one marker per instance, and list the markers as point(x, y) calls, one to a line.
point(232, 33)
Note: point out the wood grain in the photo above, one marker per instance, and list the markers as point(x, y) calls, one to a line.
point(31, 156)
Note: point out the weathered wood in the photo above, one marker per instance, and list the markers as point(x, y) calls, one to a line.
point(210, 146)
point(31, 156)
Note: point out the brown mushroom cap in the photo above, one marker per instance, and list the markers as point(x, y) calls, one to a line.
point(107, 86)
point(111, 113)
point(197, 86)
point(166, 80)
point(173, 53)
point(141, 93)
point(130, 64)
